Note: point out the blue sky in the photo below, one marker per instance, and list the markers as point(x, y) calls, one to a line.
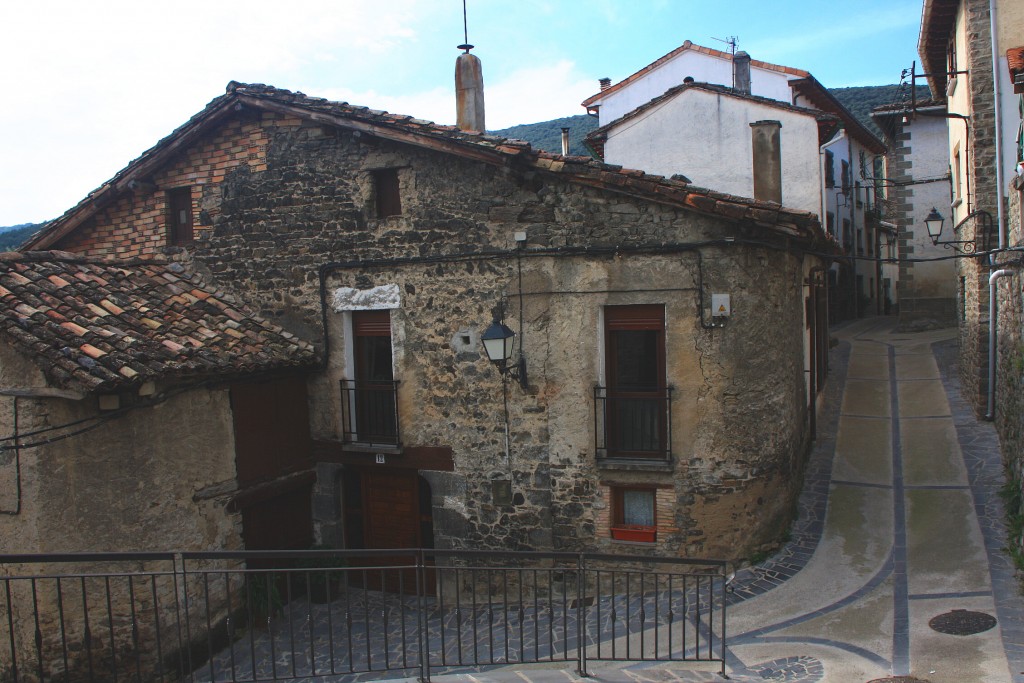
point(88, 86)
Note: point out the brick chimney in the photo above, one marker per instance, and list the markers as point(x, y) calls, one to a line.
point(469, 92)
point(605, 83)
point(741, 72)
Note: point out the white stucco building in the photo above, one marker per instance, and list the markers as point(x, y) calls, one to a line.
point(755, 129)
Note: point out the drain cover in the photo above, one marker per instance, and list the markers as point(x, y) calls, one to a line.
point(962, 622)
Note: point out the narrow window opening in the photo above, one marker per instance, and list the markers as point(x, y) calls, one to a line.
point(388, 200)
point(179, 217)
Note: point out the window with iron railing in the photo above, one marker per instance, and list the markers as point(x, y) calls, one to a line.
point(369, 412)
point(632, 412)
point(633, 424)
point(369, 401)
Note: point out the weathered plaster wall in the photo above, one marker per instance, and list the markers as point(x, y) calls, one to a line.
point(137, 482)
point(152, 480)
point(919, 165)
point(662, 140)
point(703, 69)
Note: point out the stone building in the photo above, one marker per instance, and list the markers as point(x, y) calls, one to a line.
point(963, 46)
point(142, 411)
point(671, 340)
point(918, 182)
point(774, 133)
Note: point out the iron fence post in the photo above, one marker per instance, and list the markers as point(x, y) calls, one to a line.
point(725, 596)
point(421, 619)
point(581, 613)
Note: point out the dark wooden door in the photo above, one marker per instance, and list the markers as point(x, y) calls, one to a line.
point(391, 503)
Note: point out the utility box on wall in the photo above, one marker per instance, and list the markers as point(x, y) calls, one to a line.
point(720, 306)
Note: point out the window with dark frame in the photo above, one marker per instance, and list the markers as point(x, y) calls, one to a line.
point(830, 169)
point(637, 397)
point(373, 410)
point(634, 515)
point(387, 198)
point(845, 179)
point(179, 217)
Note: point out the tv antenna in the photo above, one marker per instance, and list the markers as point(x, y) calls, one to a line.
point(731, 41)
point(466, 47)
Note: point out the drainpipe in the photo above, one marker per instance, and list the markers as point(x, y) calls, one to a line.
point(993, 311)
point(998, 124)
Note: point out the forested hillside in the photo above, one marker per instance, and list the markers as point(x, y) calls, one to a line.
point(11, 237)
point(547, 135)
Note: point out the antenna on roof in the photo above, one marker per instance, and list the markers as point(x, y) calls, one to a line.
point(466, 47)
point(731, 41)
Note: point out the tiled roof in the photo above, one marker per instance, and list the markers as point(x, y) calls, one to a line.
point(597, 136)
point(105, 325)
point(938, 19)
point(1015, 62)
point(689, 46)
point(905, 106)
point(489, 149)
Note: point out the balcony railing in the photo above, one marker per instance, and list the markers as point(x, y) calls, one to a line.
point(369, 413)
point(633, 423)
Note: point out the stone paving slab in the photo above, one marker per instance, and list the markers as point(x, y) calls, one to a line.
point(922, 398)
point(931, 454)
point(863, 451)
point(917, 366)
point(866, 398)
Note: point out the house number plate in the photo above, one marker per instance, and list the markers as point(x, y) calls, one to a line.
point(380, 458)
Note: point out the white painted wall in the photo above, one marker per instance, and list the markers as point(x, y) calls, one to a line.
point(930, 154)
point(706, 136)
point(704, 69)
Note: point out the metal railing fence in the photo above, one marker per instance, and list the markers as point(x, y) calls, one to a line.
point(277, 615)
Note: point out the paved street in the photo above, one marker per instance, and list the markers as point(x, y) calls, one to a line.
point(900, 523)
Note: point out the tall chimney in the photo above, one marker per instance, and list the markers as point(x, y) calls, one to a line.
point(767, 160)
point(605, 83)
point(469, 91)
point(565, 142)
point(741, 72)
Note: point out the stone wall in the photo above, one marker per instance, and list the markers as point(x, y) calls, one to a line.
point(983, 193)
point(1010, 374)
point(739, 419)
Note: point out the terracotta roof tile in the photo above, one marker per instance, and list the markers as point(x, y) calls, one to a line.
point(96, 344)
point(1015, 62)
point(448, 139)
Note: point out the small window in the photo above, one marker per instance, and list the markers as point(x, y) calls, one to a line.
point(846, 177)
point(387, 198)
point(955, 193)
point(830, 223)
point(179, 217)
point(633, 511)
point(830, 169)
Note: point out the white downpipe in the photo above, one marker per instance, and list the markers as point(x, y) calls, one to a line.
point(993, 310)
point(998, 124)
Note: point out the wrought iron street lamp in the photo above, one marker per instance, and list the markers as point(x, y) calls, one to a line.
point(934, 222)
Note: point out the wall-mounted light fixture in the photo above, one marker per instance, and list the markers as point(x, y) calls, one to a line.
point(934, 221)
point(499, 344)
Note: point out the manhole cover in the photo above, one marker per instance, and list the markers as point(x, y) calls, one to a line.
point(962, 622)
